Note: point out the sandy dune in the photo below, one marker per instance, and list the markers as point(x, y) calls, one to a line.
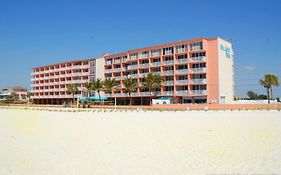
point(143, 143)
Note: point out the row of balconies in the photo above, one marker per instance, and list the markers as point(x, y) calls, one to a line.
point(54, 96)
point(49, 90)
point(164, 93)
point(177, 61)
point(61, 76)
point(171, 72)
point(61, 82)
point(62, 69)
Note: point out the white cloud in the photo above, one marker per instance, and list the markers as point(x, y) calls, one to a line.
point(250, 68)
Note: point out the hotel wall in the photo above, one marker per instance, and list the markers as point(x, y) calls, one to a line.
point(226, 77)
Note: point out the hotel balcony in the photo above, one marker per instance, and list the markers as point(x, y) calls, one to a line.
point(108, 70)
point(198, 92)
point(141, 75)
point(144, 93)
point(182, 61)
point(117, 61)
point(133, 75)
point(146, 65)
point(144, 56)
point(131, 67)
point(168, 93)
point(155, 64)
point(169, 83)
point(198, 81)
point(117, 69)
point(182, 82)
point(181, 71)
point(169, 72)
point(182, 92)
point(157, 73)
point(181, 50)
point(118, 78)
point(170, 62)
point(198, 70)
point(117, 95)
point(108, 62)
point(198, 59)
point(133, 57)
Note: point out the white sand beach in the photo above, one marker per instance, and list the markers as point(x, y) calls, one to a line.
point(139, 143)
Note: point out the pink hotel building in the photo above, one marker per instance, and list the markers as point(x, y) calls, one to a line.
point(194, 71)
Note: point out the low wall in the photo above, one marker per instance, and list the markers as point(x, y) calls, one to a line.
point(219, 106)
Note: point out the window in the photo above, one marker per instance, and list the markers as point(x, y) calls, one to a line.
point(156, 53)
point(168, 50)
point(196, 46)
point(182, 67)
point(200, 54)
point(182, 56)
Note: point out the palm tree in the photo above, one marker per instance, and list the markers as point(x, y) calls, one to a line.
point(72, 89)
point(88, 88)
point(268, 82)
point(109, 86)
point(98, 86)
point(152, 82)
point(130, 86)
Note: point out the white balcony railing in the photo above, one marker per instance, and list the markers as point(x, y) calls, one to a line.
point(141, 75)
point(198, 92)
point(155, 64)
point(198, 70)
point(198, 59)
point(133, 75)
point(182, 82)
point(118, 95)
point(170, 62)
point(168, 93)
point(144, 94)
point(182, 71)
point(108, 62)
point(134, 94)
point(130, 67)
point(182, 61)
point(117, 69)
point(198, 81)
point(169, 72)
point(181, 50)
point(117, 61)
point(144, 65)
point(118, 78)
point(108, 70)
point(169, 83)
point(182, 92)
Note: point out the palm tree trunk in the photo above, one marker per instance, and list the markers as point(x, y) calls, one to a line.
point(271, 95)
point(268, 98)
point(130, 98)
point(73, 98)
point(149, 97)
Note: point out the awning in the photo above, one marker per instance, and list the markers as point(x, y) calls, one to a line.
point(93, 98)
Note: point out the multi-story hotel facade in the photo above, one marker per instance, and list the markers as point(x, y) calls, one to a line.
point(49, 83)
point(194, 71)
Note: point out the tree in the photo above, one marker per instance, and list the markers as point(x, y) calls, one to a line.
point(98, 86)
point(152, 82)
point(72, 89)
point(130, 86)
point(268, 82)
point(252, 95)
point(88, 88)
point(109, 86)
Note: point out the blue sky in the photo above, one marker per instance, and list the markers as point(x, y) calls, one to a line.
point(34, 33)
